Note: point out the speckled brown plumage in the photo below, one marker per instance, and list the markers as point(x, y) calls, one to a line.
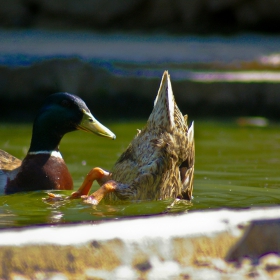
point(8, 162)
point(159, 162)
point(9, 167)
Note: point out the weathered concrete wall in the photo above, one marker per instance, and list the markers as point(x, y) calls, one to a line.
point(223, 244)
point(196, 16)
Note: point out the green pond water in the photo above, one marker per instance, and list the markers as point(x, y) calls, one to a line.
point(235, 167)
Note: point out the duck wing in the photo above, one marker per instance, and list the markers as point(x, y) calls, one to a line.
point(187, 166)
point(9, 167)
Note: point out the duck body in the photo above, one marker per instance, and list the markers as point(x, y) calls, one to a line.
point(40, 172)
point(43, 167)
point(157, 164)
point(155, 172)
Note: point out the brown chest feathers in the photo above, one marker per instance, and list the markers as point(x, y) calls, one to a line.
point(42, 172)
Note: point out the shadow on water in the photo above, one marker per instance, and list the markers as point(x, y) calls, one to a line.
point(236, 167)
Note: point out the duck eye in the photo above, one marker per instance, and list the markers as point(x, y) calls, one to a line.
point(65, 103)
point(90, 119)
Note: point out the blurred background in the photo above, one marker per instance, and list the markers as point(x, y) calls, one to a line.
point(223, 55)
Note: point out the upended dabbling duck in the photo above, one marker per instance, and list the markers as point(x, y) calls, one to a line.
point(157, 164)
point(43, 167)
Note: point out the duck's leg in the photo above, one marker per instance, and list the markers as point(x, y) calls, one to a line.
point(142, 183)
point(101, 176)
point(98, 195)
point(98, 174)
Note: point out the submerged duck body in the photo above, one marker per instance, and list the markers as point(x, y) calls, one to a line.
point(43, 167)
point(157, 164)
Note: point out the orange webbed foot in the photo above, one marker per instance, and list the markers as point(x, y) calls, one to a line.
point(53, 197)
point(98, 195)
point(98, 174)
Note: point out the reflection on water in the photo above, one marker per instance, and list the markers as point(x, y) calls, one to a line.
point(236, 167)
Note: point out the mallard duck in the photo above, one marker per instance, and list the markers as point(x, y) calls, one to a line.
point(43, 167)
point(157, 164)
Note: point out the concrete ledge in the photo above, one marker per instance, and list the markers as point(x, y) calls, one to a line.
point(186, 246)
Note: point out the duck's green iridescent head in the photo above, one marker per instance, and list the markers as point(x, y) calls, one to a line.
point(62, 113)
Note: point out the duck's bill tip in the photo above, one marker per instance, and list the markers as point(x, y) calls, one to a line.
point(90, 124)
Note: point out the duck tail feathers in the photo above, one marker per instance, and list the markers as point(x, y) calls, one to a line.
point(164, 105)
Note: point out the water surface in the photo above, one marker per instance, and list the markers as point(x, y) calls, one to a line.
point(236, 167)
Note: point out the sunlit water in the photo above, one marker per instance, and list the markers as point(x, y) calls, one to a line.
point(236, 167)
